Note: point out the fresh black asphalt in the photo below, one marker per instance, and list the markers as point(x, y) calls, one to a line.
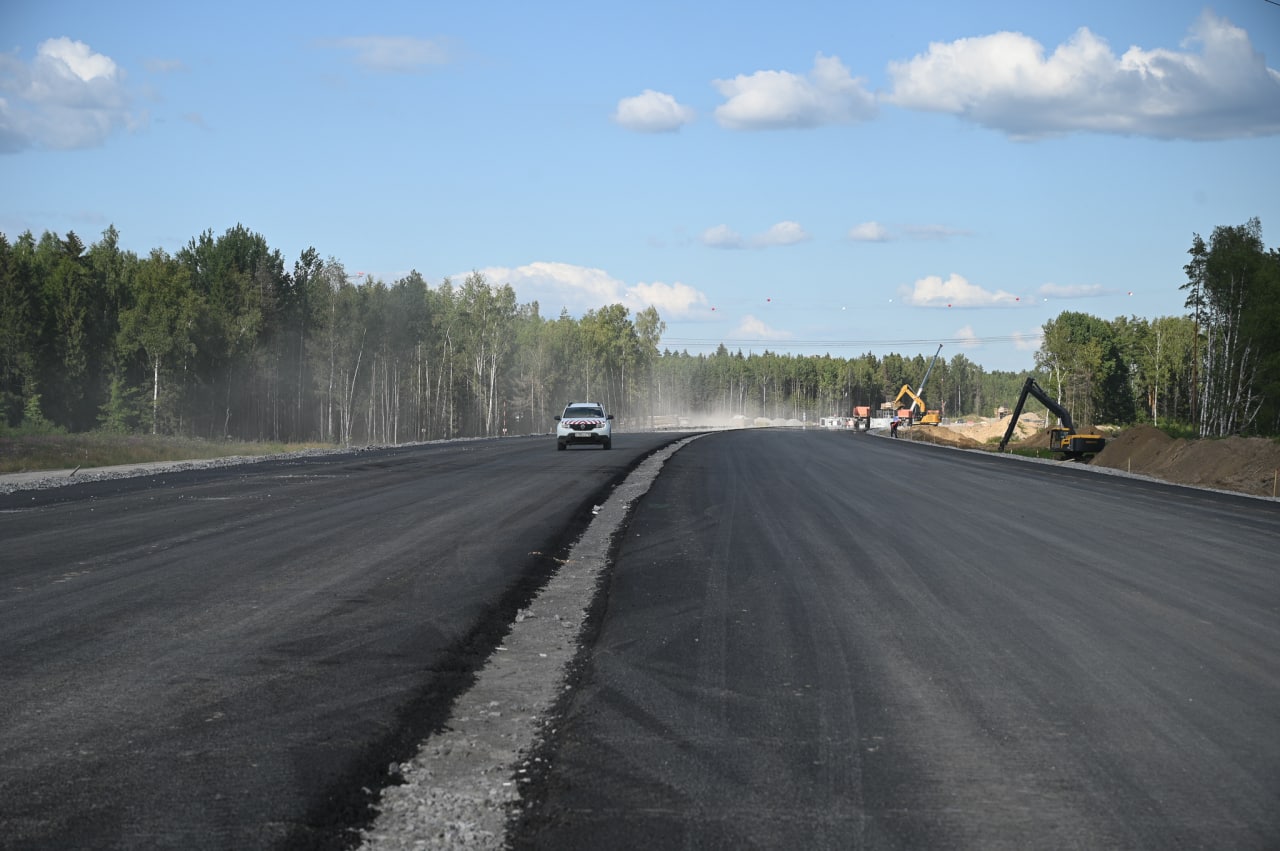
point(823, 641)
point(232, 658)
point(806, 639)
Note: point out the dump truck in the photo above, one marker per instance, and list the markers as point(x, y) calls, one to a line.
point(1062, 438)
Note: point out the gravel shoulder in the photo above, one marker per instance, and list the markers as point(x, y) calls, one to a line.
point(41, 479)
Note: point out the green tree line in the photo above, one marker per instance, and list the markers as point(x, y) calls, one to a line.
point(221, 339)
point(1233, 292)
point(1216, 370)
point(224, 339)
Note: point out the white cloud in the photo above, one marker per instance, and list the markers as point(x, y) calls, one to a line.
point(752, 328)
point(581, 288)
point(870, 232)
point(933, 233)
point(671, 300)
point(75, 60)
point(1048, 291)
point(876, 232)
point(652, 112)
point(1005, 82)
point(722, 236)
point(783, 233)
point(770, 100)
point(955, 291)
point(68, 98)
point(559, 284)
point(968, 339)
point(1023, 341)
point(394, 53)
point(1028, 341)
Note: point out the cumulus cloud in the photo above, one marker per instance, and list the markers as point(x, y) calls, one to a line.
point(68, 98)
point(955, 291)
point(722, 236)
point(581, 288)
point(670, 299)
point(652, 112)
point(561, 284)
point(752, 328)
point(1023, 341)
point(968, 338)
point(876, 232)
point(1056, 291)
point(771, 100)
point(1216, 87)
point(870, 232)
point(395, 54)
point(1028, 341)
point(783, 233)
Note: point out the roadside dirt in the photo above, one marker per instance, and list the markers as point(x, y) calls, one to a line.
point(1248, 465)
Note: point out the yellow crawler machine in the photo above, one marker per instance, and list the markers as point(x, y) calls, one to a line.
point(1063, 438)
point(926, 416)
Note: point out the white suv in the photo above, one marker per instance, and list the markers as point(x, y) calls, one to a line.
point(584, 422)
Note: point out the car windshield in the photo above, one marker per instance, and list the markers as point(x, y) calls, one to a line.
point(583, 411)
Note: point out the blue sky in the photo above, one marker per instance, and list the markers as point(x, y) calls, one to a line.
point(804, 177)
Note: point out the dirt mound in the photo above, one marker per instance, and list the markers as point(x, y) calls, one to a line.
point(1142, 446)
point(982, 430)
point(1038, 440)
point(1243, 464)
point(979, 433)
point(945, 436)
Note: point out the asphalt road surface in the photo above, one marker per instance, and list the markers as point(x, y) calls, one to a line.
point(817, 640)
point(806, 639)
point(232, 658)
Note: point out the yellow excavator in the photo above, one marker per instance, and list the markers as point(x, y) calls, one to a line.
point(1063, 438)
point(926, 416)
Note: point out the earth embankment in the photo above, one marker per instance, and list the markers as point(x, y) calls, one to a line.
point(1249, 465)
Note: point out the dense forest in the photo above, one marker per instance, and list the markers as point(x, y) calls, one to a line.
point(222, 340)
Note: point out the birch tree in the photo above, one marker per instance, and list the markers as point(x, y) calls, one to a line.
point(160, 320)
point(1233, 290)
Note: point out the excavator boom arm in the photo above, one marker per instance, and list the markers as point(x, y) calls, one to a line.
point(1032, 388)
point(919, 395)
point(905, 392)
